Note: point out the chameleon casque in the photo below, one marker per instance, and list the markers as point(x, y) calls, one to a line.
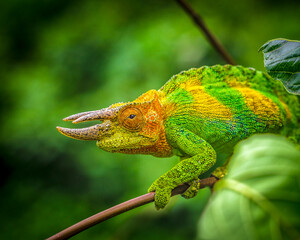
point(198, 115)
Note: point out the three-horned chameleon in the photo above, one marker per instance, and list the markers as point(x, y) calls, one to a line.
point(198, 115)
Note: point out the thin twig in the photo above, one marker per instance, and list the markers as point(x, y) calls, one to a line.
point(211, 38)
point(121, 208)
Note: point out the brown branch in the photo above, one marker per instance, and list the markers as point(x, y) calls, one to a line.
point(121, 208)
point(211, 38)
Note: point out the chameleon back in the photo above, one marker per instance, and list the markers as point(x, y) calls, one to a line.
point(224, 104)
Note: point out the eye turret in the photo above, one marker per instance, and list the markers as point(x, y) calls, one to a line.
point(132, 119)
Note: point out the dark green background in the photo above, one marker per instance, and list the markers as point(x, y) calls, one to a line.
point(62, 57)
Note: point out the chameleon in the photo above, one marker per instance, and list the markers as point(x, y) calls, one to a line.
point(199, 115)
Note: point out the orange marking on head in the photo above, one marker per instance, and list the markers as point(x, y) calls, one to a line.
point(152, 128)
point(146, 97)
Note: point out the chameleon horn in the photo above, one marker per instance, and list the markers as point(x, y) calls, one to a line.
point(105, 113)
point(89, 133)
point(77, 115)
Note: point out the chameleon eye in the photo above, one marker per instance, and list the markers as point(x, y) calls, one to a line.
point(131, 118)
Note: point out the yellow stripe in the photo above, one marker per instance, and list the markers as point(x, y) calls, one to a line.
point(260, 105)
point(206, 105)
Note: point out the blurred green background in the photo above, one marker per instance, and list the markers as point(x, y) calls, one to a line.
point(63, 57)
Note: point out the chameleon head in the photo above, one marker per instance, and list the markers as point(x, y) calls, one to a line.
point(126, 127)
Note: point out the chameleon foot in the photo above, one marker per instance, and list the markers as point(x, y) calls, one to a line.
point(162, 195)
point(220, 172)
point(192, 190)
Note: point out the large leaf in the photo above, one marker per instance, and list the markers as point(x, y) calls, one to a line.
point(260, 196)
point(282, 61)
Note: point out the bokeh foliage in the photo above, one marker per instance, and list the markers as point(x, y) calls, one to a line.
point(259, 198)
point(62, 57)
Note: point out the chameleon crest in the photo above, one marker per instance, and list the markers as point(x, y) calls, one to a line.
point(198, 115)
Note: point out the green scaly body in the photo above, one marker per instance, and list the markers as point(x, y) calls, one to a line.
point(198, 115)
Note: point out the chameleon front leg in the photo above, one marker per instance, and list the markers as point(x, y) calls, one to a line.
point(199, 157)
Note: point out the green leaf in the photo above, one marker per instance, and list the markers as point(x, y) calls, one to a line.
point(282, 61)
point(260, 196)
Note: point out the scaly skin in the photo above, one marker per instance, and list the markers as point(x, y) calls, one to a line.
point(198, 115)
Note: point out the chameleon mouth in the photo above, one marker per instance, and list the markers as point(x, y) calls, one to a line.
point(89, 133)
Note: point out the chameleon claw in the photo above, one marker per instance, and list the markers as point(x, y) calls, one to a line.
point(162, 195)
point(192, 190)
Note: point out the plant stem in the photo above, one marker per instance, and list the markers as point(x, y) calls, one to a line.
point(121, 208)
point(210, 37)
